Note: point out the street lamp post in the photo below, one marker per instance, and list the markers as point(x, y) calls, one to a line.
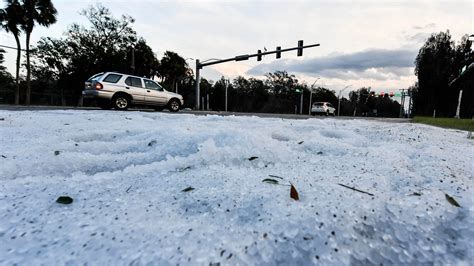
point(311, 95)
point(339, 99)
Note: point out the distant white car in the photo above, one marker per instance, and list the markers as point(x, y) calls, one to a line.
point(323, 108)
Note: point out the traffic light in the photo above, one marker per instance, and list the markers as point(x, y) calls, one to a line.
point(300, 48)
point(278, 54)
point(259, 56)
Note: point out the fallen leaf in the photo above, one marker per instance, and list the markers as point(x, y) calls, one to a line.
point(151, 143)
point(253, 158)
point(64, 200)
point(270, 181)
point(187, 189)
point(183, 169)
point(416, 194)
point(320, 152)
point(57, 153)
point(294, 193)
point(301, 142)
point(452, 200)
point(276, 176)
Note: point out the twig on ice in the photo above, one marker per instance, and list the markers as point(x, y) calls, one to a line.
point(355, 189)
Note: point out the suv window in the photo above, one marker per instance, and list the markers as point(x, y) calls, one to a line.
point(95, 77)
point(330, 105)
point(134, 82)
point(112, 78)
point(150, 84)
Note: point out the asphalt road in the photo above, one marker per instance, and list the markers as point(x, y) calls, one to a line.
point(272, 115)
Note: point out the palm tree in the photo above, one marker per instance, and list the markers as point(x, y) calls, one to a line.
point(11, 19)
point(43, 13)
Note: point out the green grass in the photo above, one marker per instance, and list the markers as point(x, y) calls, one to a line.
point(462, 124)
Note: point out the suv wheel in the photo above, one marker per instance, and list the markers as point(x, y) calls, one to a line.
point(121, 102)
point(327, 113)
point(174, 105)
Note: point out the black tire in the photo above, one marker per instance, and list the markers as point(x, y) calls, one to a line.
point(327, 113)
point(121, 102)
point(174, 105)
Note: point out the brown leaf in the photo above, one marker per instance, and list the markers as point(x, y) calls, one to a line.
point(294, 193)
point(452, 200)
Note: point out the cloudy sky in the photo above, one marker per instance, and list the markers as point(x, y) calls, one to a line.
point(363, 43)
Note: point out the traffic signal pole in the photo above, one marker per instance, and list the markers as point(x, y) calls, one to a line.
point(244, 57)
point(198, 80)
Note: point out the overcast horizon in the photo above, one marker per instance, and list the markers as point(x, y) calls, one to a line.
point(363, 43)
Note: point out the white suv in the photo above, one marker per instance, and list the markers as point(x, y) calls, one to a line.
point(118, 90)
point(324, 108)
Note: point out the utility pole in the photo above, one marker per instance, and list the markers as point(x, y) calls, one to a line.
point(301, 102)
point(198, 80)
point(311, 96)
point(244, 57)
point(402, 103)
point(133, 61)
point(226, 87)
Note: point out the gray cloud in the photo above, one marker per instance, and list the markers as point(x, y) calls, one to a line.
point(427, 26)
point(379, 64)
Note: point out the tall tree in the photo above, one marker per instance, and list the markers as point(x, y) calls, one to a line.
point(173, 68)
point(6, 80)
point(281, 83)
point(11, 18)
point(146, 63)
point(2, 59)
point(104, 46)
point(43, 13)
point(434, 67)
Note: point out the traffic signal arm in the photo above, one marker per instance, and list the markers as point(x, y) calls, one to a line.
point(246, 57)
